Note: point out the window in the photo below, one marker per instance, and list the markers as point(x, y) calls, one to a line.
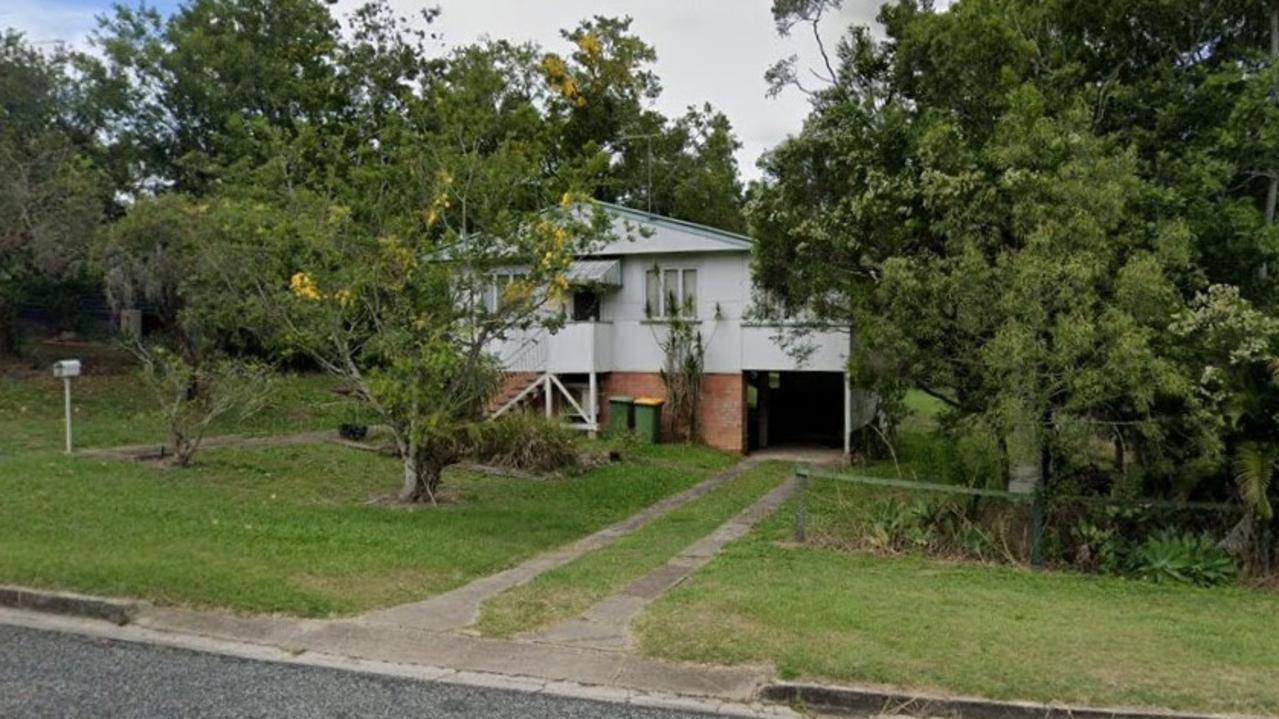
point(586, 306)
point(495, 297)
point(670, 292)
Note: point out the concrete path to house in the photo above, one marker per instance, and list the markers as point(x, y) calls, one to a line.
point(457, 609)
point(606, 626)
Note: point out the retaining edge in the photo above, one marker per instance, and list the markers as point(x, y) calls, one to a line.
point(868, 701)
point(116, 611)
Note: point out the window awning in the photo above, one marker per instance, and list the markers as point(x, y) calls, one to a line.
point(595, 272)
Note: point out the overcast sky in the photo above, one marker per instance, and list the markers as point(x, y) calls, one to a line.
point(707, 50)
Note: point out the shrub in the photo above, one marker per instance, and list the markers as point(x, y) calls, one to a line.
point(526, 441)
point(190, 397)
point(944, 527)
point(1185, 558)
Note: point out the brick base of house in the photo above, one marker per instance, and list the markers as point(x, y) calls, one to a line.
point(721, 413)
point(512, 384)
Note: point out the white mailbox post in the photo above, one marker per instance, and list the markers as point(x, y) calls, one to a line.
point(66, 369)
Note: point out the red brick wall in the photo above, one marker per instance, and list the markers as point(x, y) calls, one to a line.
point(721, 412)
point(512, 384)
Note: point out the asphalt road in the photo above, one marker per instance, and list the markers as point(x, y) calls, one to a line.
point(50, 674)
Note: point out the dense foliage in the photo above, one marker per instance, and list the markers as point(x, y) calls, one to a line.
point(265, 179)
point(1055, 217)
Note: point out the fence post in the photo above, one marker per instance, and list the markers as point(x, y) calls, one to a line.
point(1266, 549)
point(801, 515)
point(1037, 527)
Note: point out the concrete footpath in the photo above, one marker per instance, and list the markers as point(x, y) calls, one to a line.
point(441, 658)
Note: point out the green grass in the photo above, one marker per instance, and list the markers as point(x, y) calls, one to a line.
point(686, 455)
point(286, 529)
point(972, 629)
point(567, 591)
point(114, 409)
point(289, 529)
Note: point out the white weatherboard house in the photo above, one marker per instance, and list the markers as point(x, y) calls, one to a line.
point(754, 393)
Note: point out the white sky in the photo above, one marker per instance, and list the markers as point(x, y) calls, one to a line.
point(707, 50)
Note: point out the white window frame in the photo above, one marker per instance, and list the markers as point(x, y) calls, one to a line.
point(497, 282)
point(661, 311)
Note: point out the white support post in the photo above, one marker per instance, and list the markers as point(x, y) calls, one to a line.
point(66, 384)
point(595, 405)
point(550, 399)
point(848, 417)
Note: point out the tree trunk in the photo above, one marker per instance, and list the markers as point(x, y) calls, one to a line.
point(1272, 193)
point(1272, 190)
point(1005, 463)
point(422, 475)
point(9, 338)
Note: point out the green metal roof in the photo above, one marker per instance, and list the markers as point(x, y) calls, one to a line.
point(733, 239)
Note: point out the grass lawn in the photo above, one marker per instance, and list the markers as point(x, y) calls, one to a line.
point(286, 529)
point(115, 409)
point(967, 628)
point(569, 590)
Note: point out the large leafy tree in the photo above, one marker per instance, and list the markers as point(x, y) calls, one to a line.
point(1012, 201)
point(52, 195)
point(203, 88)
point(683, 167)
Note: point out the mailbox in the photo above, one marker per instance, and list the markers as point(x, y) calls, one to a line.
point(66, 368)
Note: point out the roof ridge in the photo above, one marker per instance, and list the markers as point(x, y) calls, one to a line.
point(719, 234)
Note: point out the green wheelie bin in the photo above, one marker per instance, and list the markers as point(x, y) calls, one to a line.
point(619, 415)
point(648, 418)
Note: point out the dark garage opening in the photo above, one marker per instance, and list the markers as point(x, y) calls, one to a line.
point(795, 409)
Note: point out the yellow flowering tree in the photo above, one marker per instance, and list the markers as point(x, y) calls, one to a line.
point(394, 289)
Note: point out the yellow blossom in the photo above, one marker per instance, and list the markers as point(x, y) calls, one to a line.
point(344, 297)
point(554, 67)
point(590, 44)
point(303, 287)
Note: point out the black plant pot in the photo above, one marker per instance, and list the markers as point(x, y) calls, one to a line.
point(354, 432)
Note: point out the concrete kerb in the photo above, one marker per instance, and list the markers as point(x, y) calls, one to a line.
point(635, 681)
point(259, 651)
point(116, 611)
point(866, 701)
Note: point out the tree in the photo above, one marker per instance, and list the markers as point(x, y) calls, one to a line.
point(202, 89)
point(51, 196)
point(403, 294)
point(1236, 346)
point(149, 254)
point(681, 167)
point(973, 196)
